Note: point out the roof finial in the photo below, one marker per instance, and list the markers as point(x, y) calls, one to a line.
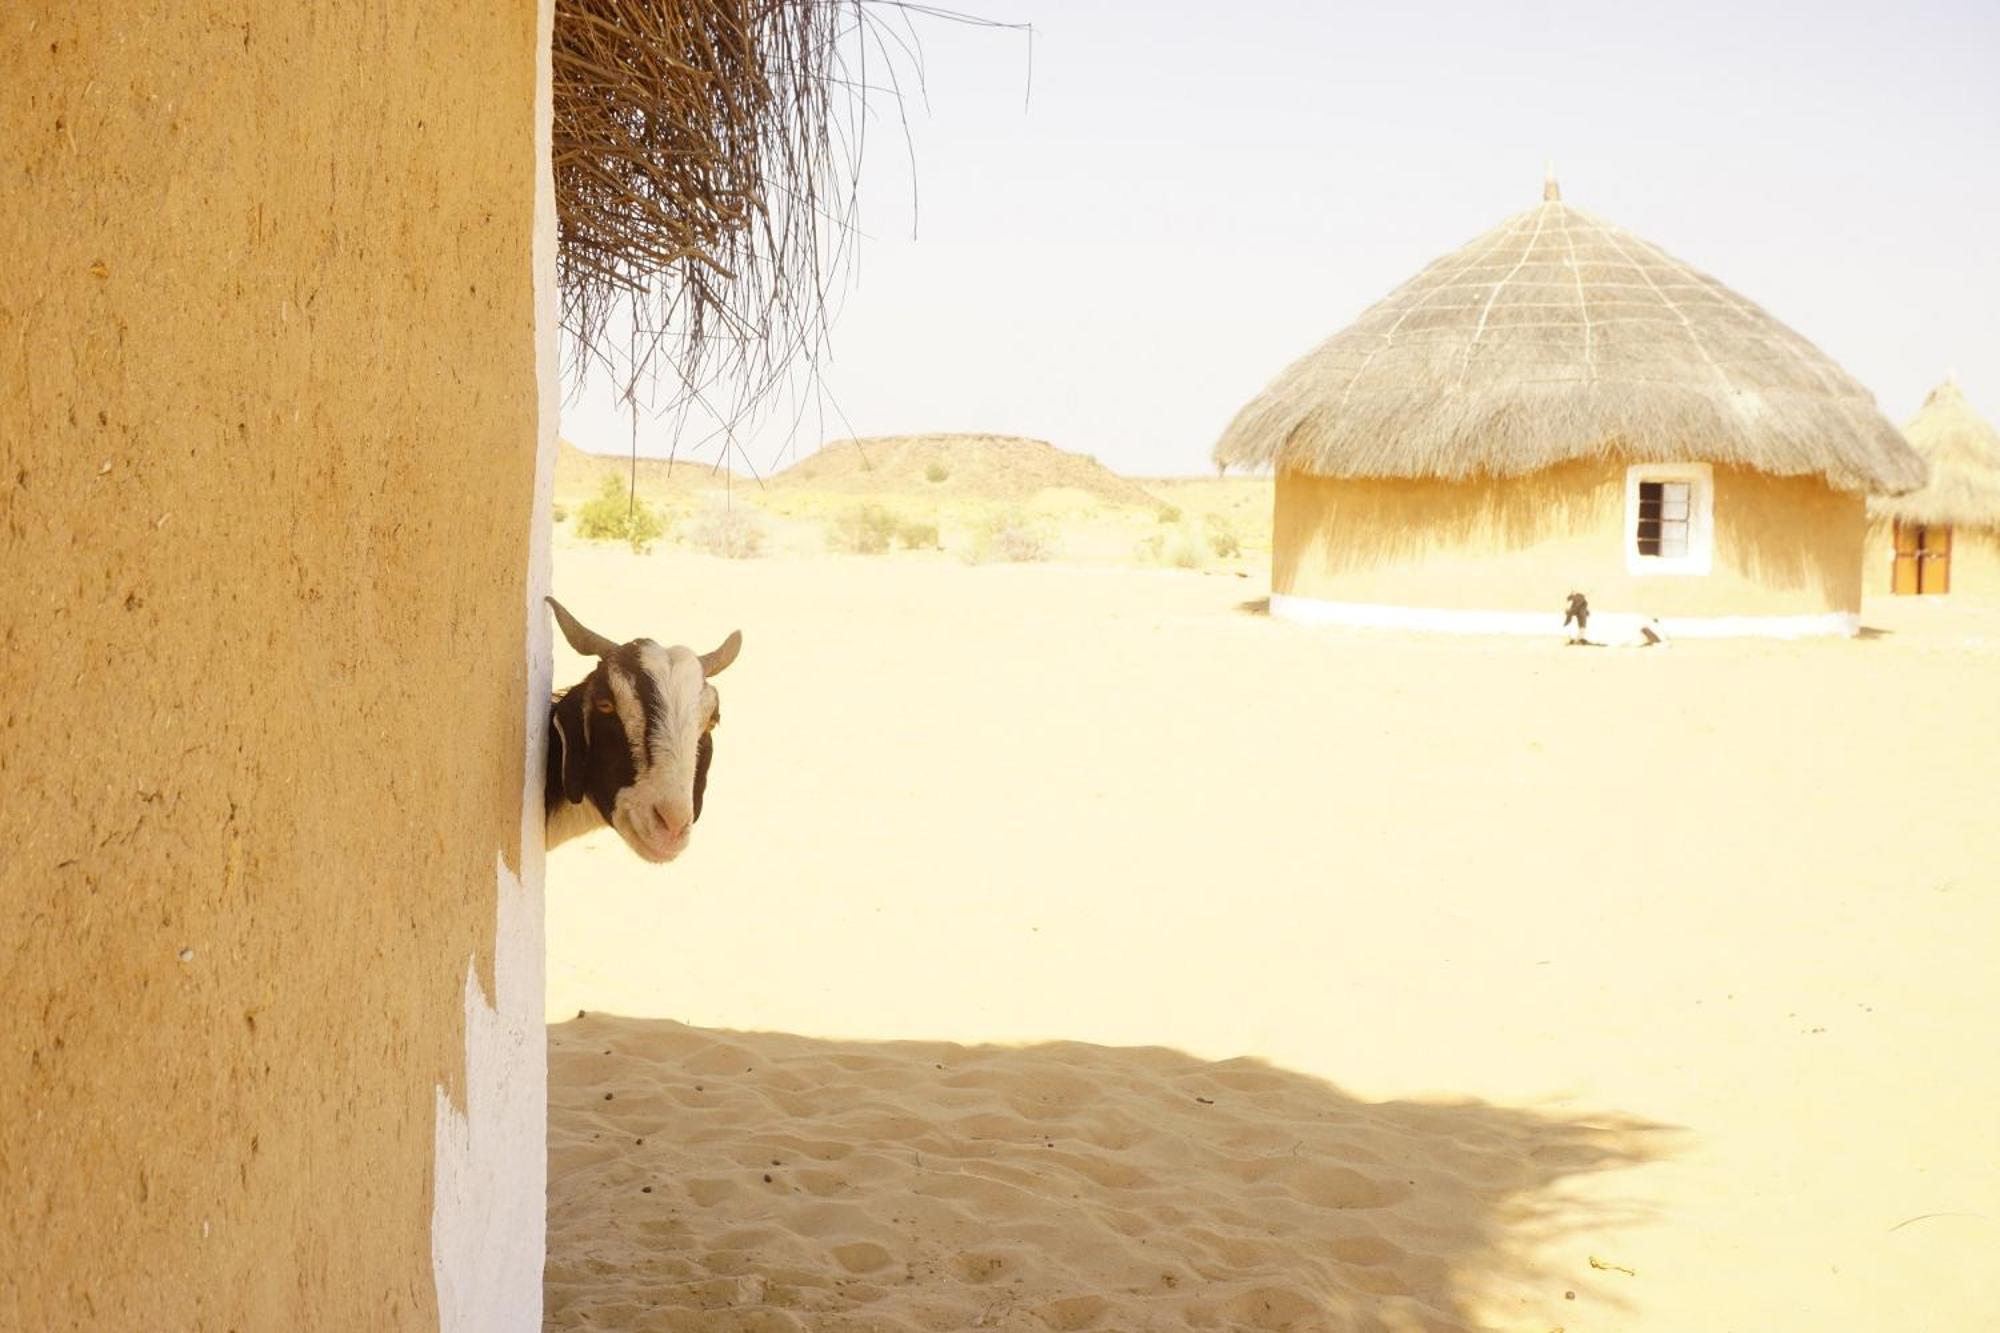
point(1551, 192)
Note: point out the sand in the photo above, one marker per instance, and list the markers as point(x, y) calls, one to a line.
point(1090, 951)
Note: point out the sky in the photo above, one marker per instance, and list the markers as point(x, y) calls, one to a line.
point(1111, 233)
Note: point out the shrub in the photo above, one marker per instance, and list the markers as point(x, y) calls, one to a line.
point(1222, 538)
point(1179, 548)
point(935, 471)
point(917, 536)
point(559, 511)
point(1011, 536)
point(865, 529)
point(732, 531)
point(614, 516)
point(1169, 514)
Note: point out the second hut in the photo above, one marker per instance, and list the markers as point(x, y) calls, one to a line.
point(1944, 538)
point(1562, 407)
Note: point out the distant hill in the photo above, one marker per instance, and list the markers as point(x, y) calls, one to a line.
point(581, 473)
point(982, 467)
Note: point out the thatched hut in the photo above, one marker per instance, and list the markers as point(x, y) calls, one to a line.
point(1944, 538)
point(1561, 406)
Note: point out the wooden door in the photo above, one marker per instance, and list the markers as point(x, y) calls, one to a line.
point(1909, 544)
point(1934, 562)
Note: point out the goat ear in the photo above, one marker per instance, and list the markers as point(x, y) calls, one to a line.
point(586, 641)
point(567, 731)
point(715, 663)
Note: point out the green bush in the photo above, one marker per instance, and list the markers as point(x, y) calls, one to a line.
point(1169, 514)
point(917, 536)
point(935, 471)
point(865, 529)
point(1222, 538)
point(614, 516)
point(731, 531)
point(559, 512)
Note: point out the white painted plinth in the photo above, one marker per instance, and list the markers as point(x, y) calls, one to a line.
point(1611, 624)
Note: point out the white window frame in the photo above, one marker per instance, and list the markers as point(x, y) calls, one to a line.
point(1701, 518)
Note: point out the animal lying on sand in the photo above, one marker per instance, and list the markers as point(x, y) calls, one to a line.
point(1620, 632)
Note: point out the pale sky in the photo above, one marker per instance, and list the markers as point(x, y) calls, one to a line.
point(1117, 255)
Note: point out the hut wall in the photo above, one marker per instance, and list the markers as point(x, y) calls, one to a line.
point(1784, 547)
point(1975, 562)
point(272, 414)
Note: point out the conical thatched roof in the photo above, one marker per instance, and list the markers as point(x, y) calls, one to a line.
point(1963, 451)
point(1557, 336)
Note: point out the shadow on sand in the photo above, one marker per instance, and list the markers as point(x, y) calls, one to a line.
point(735, 1181)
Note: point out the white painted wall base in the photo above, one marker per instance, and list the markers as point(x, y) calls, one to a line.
point(489, 1209)
point(489, 1206)
point(1610, 624)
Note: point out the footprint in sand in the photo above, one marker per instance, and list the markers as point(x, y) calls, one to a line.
point(1073, 1312)
point(1270, 1308)
point(709, 1191)
point(1340, 1187)
point(861, 1256)
point(1366, 1251)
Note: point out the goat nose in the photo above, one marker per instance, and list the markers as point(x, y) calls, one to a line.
point(674, 820)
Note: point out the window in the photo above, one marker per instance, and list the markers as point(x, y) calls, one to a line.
point(1669, 518)
point(1663, 518)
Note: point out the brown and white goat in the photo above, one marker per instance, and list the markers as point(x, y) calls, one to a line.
point(630, 744)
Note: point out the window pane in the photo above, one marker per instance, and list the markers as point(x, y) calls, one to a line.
point(1665, 521)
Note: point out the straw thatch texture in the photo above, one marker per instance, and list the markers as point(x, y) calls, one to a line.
point(1963, 451)
point(1556, 336)
point(698, 164)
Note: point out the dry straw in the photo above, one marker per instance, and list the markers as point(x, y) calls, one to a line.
point(694, 162)
point(705, 156)
point(1963, 451)
point(1557, 336)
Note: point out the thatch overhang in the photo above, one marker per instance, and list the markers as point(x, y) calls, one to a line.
point(704, 154)
point(1963, 452)
point(1557, 336)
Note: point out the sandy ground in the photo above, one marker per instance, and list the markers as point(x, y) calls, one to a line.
point(1076, 948)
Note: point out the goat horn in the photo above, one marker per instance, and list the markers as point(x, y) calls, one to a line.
point(588, 642)
point(713, 664)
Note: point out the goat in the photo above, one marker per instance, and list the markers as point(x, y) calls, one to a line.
point(630, 744)
point(1614, 631)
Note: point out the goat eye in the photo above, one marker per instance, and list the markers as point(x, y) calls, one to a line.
point(606, 706)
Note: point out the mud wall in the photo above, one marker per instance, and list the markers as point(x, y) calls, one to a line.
point(1975, 562)
point(1783, 546)
point(268, 447)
